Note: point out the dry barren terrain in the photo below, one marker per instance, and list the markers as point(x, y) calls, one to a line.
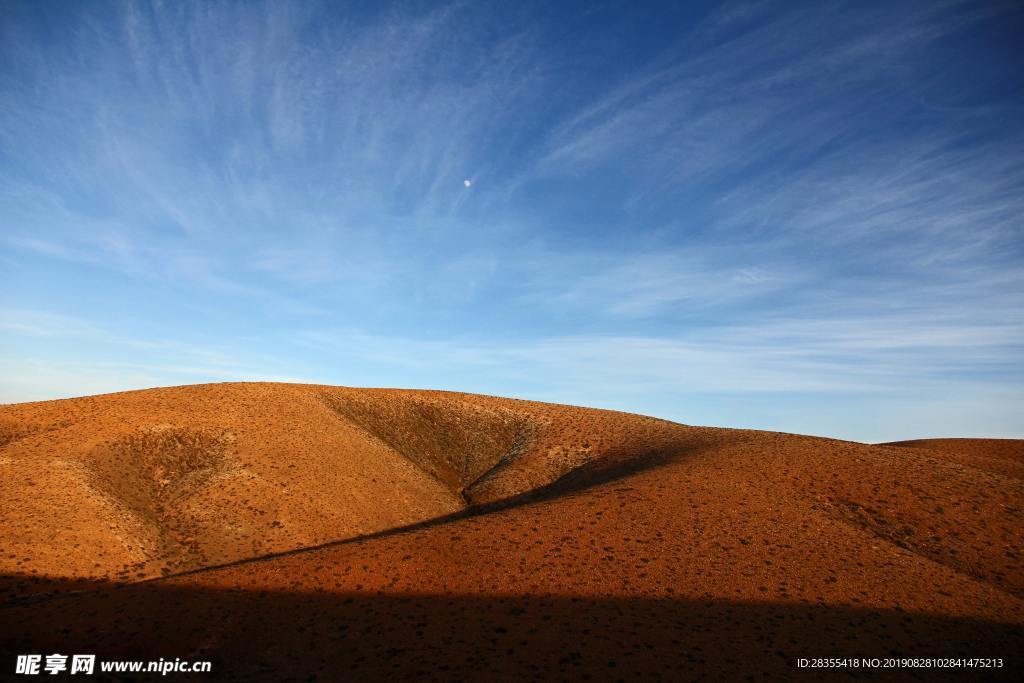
point(300, 532)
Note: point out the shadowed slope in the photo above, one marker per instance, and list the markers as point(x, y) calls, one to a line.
point(296, 635)
point(455, 440)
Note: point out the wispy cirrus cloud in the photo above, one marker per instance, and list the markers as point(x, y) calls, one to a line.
point(745, 199)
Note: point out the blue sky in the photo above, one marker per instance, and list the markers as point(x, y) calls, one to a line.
point(798, 217)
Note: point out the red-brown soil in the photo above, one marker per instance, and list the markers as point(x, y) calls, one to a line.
point(471, 537)
point(1001, 456)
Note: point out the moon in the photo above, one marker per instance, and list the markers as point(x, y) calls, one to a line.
point(467, 182)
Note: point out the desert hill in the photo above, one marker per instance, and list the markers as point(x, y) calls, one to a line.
point(469, 537)
point(140, 484)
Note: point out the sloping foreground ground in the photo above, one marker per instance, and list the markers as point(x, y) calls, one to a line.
point(646, 550)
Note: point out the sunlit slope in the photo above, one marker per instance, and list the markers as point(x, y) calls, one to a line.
point(134, 485)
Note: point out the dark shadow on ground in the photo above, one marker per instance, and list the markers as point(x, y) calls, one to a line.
point(303, 636)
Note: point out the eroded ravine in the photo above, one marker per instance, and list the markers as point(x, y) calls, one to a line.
point(456, 443)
